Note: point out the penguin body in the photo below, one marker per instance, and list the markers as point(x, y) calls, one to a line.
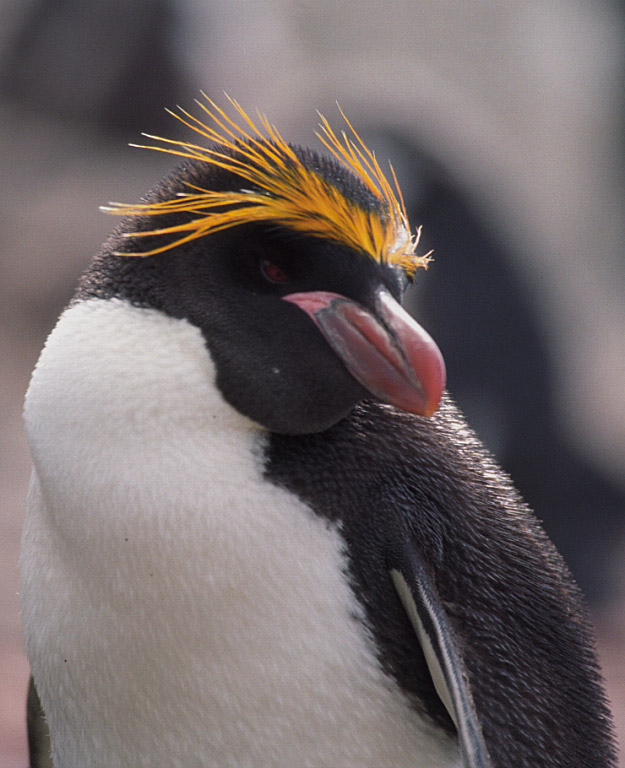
point(222, 592)
point(241, 550)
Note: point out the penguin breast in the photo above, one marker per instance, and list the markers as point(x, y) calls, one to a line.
point(216, 624)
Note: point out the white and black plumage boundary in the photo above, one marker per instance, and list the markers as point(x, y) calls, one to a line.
point(473, 616)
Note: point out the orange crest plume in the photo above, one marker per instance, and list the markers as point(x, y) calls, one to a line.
point(282, 189)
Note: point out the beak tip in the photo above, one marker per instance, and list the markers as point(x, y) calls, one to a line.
point(439, 387)
point(431, 407)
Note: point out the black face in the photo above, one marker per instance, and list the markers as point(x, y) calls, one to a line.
point(273, 364)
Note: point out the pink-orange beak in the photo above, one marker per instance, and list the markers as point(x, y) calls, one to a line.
point(389, 353)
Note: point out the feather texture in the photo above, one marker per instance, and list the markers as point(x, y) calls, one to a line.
point(278, 187)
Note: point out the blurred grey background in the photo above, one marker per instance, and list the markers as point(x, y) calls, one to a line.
point(505, 123)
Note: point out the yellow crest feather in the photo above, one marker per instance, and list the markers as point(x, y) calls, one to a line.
point(283, 190)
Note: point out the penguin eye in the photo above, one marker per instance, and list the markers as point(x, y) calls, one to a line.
point(272, 272)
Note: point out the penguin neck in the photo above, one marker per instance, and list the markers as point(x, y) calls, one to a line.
point(136, 376)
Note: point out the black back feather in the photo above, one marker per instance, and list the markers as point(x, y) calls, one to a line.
point(519, 619)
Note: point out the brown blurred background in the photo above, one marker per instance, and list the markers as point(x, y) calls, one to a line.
point(505, 122)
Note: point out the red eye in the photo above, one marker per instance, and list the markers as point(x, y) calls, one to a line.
point(272, 272)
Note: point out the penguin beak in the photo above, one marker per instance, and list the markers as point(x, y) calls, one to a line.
point(388, 352)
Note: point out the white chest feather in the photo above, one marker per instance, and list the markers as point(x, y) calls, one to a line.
point(178, 610)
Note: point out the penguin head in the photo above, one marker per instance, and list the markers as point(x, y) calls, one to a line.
point(293, 266)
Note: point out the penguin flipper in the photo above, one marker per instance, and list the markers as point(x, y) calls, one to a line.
point(447, 669)
point(37, 729)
